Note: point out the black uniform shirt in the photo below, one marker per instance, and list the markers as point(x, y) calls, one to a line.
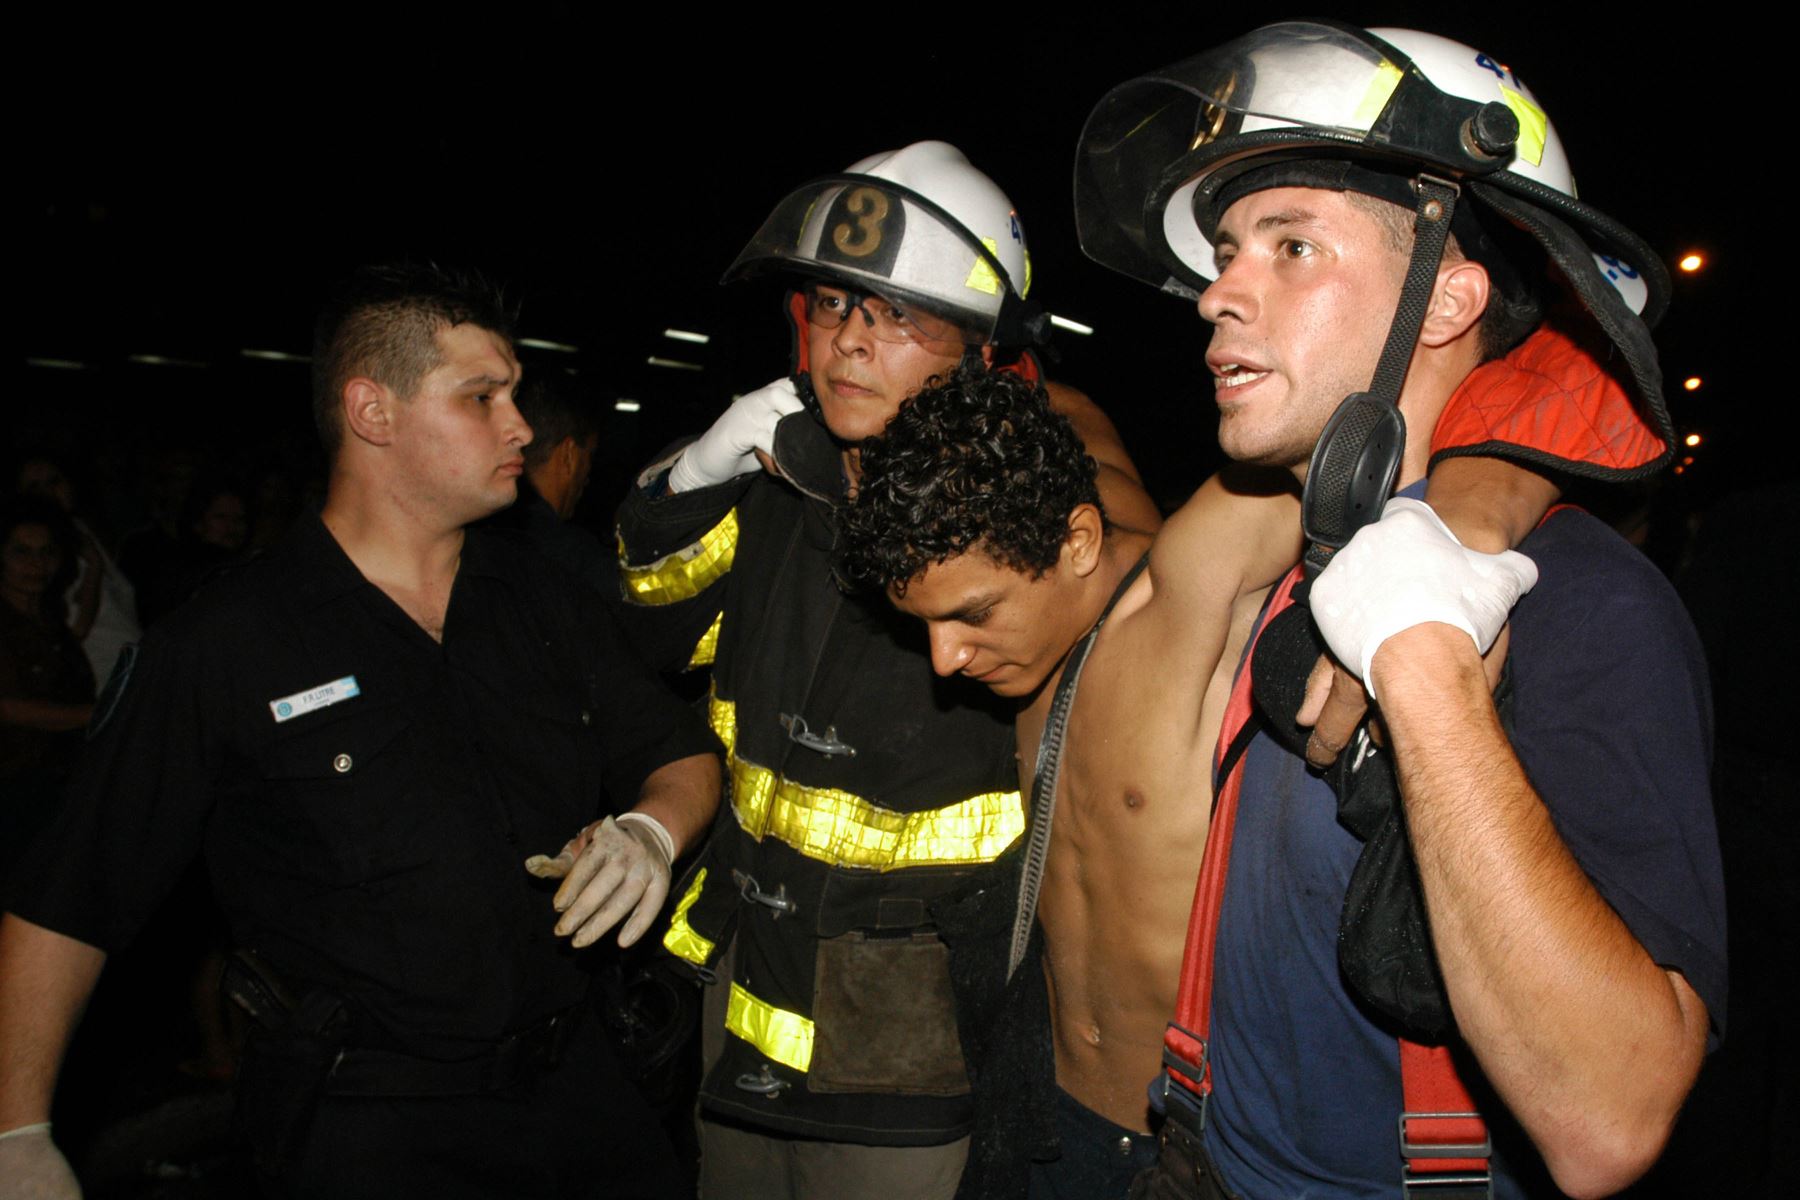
point(369, 839)
point(565, 543)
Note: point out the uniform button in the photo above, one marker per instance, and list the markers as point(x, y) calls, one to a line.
point(341, 764)
point(587, 718)
point(1125, 1146)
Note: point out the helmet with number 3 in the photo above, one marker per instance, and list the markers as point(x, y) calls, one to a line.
point(918, 225)
point(1317, 104)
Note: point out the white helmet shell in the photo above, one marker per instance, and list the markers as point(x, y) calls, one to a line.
point(1298, 90)
point(918, 224)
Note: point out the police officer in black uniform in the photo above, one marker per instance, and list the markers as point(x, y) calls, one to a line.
point(368, 730)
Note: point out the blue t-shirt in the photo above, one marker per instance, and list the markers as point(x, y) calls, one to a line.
point(1613, 725)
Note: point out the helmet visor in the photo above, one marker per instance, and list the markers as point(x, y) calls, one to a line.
point(1320, 83)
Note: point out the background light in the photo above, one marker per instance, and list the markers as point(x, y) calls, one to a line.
point(1692, 439)
point(162, 360)
point(1692, 262)
point(1691, 383)
point(1071, 326)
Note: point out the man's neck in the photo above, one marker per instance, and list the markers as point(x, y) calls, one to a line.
point(1430, 383)
point(546, 487)
point(549, 489)
point(1118, 554)
point(406, 556)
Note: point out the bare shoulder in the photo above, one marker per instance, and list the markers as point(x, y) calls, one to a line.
point(1097, 430)
point(1128, 503)
point(1238, 533)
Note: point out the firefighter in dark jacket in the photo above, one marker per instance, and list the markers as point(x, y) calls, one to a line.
point(864, 789)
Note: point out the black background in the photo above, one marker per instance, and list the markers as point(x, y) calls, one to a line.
point(186, 187)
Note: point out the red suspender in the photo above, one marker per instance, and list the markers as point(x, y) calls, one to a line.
point(1184, 1042)
point(1439, 1118)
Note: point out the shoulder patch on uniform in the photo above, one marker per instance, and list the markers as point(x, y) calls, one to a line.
point(114, 691)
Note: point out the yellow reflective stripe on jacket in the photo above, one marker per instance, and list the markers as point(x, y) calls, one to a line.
point(687, 572)
point(707, 648)
point(722, 716)
point(844, 830)
point(681, 940)
point(784, 1037)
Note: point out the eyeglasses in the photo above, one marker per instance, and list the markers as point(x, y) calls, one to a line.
point(887, 320)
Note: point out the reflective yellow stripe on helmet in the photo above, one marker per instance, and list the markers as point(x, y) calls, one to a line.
point(1534, 126)
point(681, 940)
point(784, 1037)
point(981, 275)
point(707, 648)
point(844, 830)
point(1382, 82)
point(687, 572)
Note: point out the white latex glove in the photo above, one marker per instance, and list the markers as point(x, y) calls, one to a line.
point(32, 1168)
point(729, 448)
point(1408, 569)
point(610, 868)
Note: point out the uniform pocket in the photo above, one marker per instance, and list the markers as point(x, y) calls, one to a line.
point(884, 1018)
point(350, 787)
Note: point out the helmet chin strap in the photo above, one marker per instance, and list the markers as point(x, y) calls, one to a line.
point(1358, 455)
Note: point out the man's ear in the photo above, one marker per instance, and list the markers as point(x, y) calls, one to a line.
point(1082, 544)
point(369, 410)
point(1458, 300)
point(987, 354)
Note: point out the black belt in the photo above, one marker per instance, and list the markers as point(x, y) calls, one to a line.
point(512, 1060)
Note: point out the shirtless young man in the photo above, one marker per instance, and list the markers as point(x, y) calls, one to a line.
point(977, 512)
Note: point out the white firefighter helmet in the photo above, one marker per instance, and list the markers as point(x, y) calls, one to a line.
point(918, 225)
point(1159, 152)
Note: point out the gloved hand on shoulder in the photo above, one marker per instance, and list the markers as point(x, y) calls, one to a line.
point(1408, 569)
point(729, 448)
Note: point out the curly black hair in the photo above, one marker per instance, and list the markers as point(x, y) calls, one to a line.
point(975, 459)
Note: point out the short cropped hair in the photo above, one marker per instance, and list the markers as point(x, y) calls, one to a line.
point(976, 460)
point(555, 410)
point(382, 322)
point(1512, 312)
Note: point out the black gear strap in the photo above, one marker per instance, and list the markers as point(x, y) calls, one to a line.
point(1358, 455)
point(1431, 230)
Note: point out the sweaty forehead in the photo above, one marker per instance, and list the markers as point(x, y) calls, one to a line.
point(956, 586)
point(1280, 209)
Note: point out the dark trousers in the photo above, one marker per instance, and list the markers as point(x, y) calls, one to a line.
point(1183, 1170)
point(579, 1130)
point(1099, 1159)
